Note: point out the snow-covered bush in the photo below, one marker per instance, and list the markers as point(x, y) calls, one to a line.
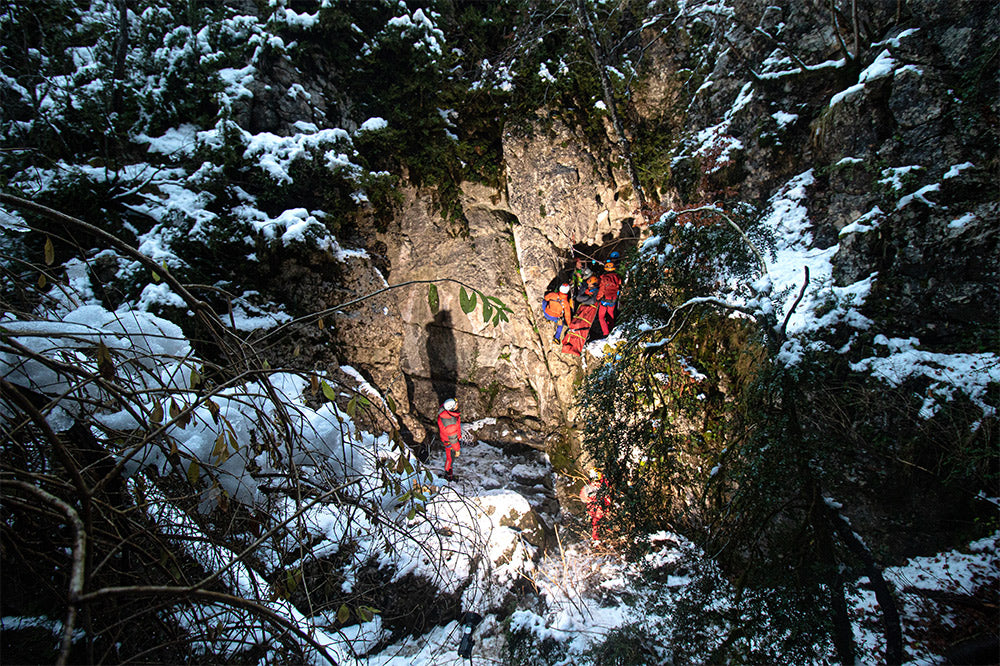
point(202, 506)
point(733, 409)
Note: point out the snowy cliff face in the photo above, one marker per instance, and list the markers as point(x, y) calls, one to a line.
point(885, 143)
point(898, 129)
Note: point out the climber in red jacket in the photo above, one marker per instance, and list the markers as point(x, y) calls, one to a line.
point(450, 431)
point(607, 294)
point(597, 507)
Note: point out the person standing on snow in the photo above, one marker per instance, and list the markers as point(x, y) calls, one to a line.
point(597, 506)
point(607, 294)
point(450, 431)
point(557, 309)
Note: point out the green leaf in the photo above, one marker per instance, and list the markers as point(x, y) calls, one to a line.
point(292, 579)
point(195, 378)
point(194, 472)
point(391, 403)
point(104, 364)
point(157, 415)
point(343, 613)
point(468, 302)
point(432, 298)
point(412, 514)
point(41, 281)
point(352, 406)
point(328, 391)
point(221, 449)
point(50, 251)
point(487, 310)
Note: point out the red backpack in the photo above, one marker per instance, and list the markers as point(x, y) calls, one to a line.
point(608, 290)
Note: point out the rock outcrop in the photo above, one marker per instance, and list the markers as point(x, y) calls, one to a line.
point(512, 245)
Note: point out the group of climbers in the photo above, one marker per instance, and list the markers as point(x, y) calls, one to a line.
point(572, 308)
point(577, 302)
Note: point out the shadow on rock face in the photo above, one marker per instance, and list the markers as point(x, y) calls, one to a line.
point(442, 357)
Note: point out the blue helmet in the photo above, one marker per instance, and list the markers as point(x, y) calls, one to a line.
point(614, 255)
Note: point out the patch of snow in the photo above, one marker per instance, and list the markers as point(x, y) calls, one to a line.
point(960, 223)
point(893, 176)
point(844, 94)
point(881, 67)
point(969, 373)
point(373, 125)
point(784, 119)
point(921, 196)
point(179, 141)
point(957, 169)
point(867, 222)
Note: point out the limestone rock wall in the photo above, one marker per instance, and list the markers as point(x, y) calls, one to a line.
point(511, 245)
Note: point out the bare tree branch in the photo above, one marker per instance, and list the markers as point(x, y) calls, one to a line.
point(798, 299)
point(187, 593)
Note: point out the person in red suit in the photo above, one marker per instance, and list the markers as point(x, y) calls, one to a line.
point(607, 295)
point(597, 508)
point(450, 431)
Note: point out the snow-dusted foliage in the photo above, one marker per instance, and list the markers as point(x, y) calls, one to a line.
point(182, 170)
point(252, 480)
point(168, 495)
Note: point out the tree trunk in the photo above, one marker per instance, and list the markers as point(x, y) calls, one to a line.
point(843, 635)
point(121, 51)
point(886, 601)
